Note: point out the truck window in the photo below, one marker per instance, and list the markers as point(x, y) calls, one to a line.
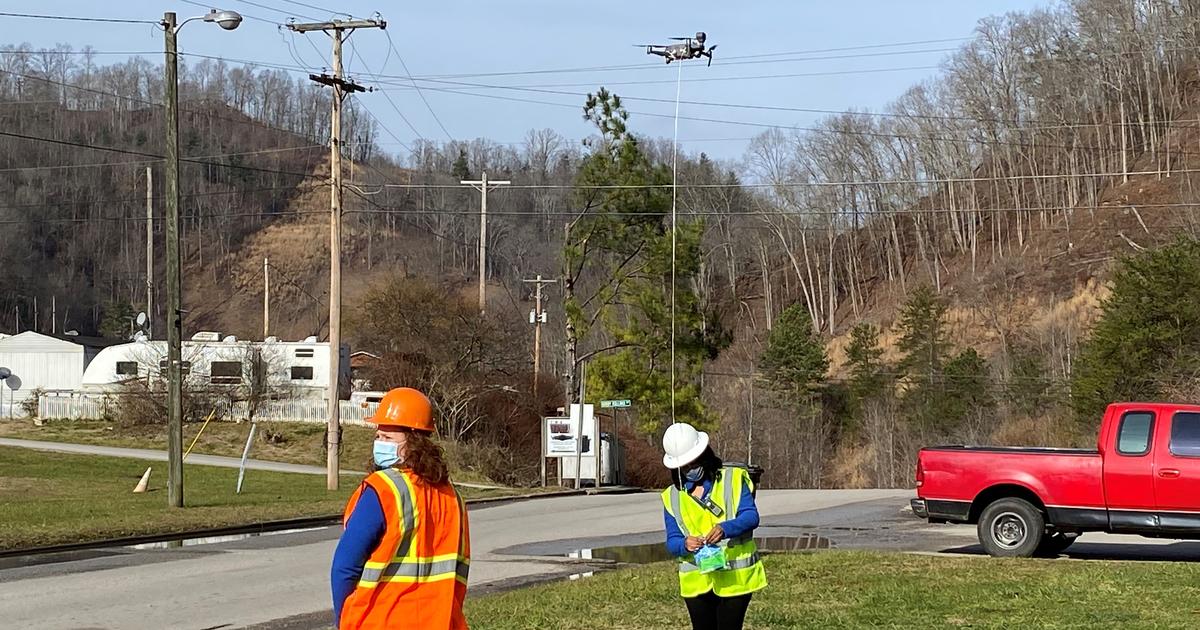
point(1185, 434)
point(1133, 436)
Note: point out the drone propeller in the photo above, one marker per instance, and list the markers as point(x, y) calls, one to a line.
point(681, 39)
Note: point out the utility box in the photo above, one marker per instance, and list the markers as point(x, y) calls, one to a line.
point(612, 464)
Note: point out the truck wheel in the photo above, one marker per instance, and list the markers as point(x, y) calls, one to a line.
point(1054, 544)
point(1011, 528)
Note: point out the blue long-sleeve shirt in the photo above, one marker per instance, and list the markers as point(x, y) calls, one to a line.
point(364, 530)
point(744, 522)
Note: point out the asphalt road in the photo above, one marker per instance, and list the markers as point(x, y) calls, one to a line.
point(280, 582)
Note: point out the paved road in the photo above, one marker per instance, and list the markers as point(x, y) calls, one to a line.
point(269, 578)
point(280, 581)
point(193, 458)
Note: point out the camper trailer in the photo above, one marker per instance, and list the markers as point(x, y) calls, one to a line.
point(299, 367)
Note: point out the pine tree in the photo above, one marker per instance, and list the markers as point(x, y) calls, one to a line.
point(1146, 344)
point(794, 361)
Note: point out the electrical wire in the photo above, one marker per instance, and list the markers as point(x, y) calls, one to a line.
point(392, 49)
point(389, 99)
point(76, 18)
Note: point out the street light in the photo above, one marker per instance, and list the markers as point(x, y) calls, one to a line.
point(227, 20)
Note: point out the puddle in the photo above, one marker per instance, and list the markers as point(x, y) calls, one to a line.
point(657, 552)
point(191, 542)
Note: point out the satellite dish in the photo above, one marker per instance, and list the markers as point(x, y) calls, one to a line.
point(141, 319)
point(5, 373)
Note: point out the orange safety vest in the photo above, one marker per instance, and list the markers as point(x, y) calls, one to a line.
point(417, 576)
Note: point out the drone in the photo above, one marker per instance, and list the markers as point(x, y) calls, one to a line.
point(688, 48)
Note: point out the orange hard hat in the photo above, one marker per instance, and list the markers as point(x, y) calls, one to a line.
point(404, 407)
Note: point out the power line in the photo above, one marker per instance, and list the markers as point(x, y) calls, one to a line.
point(800, 213)
point(714, 79)
point(420, 93)
point(135, 200)
point(386, 96)
point(270, 8)
point(144, 162)
point(150, 155)
point(382, 126)
point(822, 184)
point(644, 66)
point(76, 18)
point(843, 132)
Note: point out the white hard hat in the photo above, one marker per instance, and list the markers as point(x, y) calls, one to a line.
point(683, 444)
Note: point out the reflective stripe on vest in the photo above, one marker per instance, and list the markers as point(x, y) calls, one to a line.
point(744, 573)
point(405, 567)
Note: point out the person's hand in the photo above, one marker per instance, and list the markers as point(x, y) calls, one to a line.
point(693, 543)
point(715, 535)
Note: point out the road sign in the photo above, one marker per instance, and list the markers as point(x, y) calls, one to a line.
point(561, 435)
point(615, 404)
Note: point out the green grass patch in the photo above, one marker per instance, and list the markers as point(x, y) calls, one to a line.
point(842, 589)
point(54, 498)
point(290, 442)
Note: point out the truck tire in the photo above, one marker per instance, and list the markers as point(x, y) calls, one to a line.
point(1054, 544)
point(1011, 528)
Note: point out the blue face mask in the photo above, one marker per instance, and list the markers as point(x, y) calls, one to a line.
point(386, 454)
point(694, 474)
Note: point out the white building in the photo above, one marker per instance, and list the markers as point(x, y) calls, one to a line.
point(299, 367)
point(37, 361)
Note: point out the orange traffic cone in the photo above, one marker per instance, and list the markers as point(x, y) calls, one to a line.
point(141, 487)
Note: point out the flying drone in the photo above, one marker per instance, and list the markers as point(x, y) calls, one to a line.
point(687, 48)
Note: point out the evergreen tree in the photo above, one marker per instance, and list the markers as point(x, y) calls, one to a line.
point(117, 321)
point(460, 170)
point(1148, 337)
point(794, 361)
point(865, 359)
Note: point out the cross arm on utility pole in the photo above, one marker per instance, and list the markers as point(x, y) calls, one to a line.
point(336, 25)
point(483, 186)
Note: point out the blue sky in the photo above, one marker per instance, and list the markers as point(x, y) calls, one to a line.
point(456, 37)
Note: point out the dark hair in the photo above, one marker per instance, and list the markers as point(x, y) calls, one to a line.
point(708, 459)
point(425, 458)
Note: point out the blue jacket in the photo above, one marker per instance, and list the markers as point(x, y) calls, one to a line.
point(744, 522)
point(364, 530)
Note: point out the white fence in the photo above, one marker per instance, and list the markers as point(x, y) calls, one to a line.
point(316, 410)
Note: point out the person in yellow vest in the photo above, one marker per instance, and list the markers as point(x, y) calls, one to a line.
point(710, 517)
point(403, 558)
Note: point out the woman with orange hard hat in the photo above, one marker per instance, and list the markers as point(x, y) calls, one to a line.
point(403, 557)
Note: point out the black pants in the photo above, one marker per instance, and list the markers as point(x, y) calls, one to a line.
point(710, 612)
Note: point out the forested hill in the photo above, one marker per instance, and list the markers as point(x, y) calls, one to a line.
point(1051, 144)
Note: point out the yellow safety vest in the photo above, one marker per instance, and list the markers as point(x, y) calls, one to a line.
point(745, 573)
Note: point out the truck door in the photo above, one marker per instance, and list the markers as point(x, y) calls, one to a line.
point(1128, 472)
point(1177, 473)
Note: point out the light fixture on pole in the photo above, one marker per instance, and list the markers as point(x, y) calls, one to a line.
point(227, 20)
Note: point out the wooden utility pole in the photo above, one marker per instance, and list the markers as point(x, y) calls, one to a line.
point(537, 317)
point(174, 298)
point(266, 298)
point(482, 186)
point(149, 253)
point(338, 31)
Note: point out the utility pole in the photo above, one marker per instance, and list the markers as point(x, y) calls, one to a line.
point(482, 185)
point(149, 253)
point(266, 298)
point(227, 20)
point(537, 317)
point(338, 31)
point(174, 298)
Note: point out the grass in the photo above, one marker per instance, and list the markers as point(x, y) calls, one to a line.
point(52, 498)
point(870, 590)
point(291, 442)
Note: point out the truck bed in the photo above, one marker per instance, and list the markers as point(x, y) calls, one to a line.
point(1067, 482)
point(1034, 450)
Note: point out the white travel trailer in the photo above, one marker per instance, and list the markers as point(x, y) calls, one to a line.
point(299, 367)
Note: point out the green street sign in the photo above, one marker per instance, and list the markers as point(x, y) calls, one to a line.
point(615, 404)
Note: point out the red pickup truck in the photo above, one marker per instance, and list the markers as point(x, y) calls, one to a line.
point(1143, 478)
